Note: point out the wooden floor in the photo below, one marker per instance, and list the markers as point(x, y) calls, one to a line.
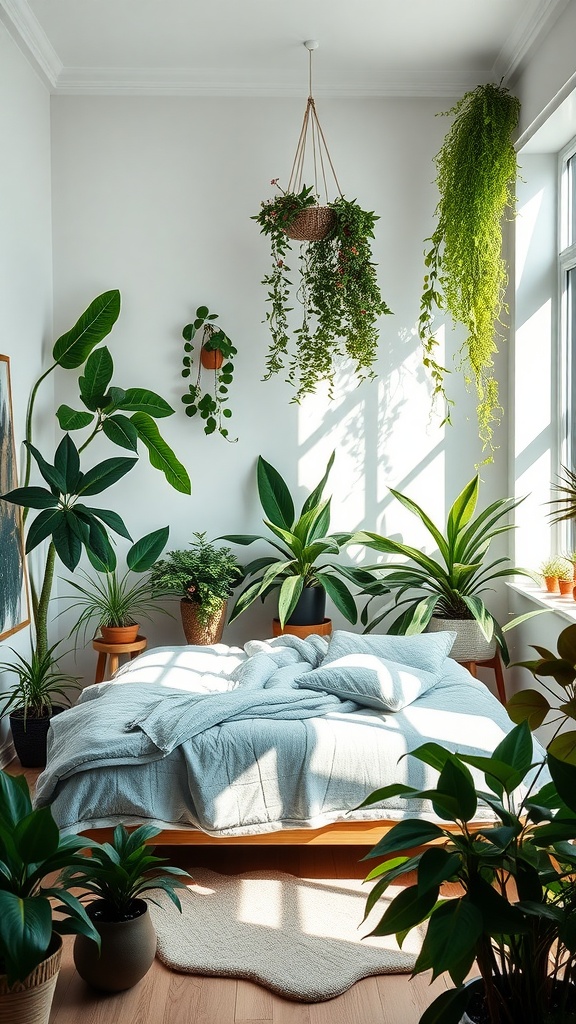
point(166, 997)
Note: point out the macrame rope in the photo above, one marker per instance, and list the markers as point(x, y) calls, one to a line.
point(320, 151)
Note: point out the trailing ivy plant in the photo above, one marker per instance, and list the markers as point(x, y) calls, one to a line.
point(337, 288)
point(466, 273)
point(212, 404)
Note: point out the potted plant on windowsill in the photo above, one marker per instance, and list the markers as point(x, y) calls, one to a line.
point(41, 691)
point(34, 910)
point(336, 285)
point(117, 881)
point(215, 347)
point(113, 601)
point(202, 576)
point(446, 593)
point(301, 575)
point(551, 570)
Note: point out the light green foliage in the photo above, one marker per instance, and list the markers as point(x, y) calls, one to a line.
point(304, 542)
point(202, 573)
point(40, 684)
point(467, 276)
point(212, 406)
point(558, 567)
point(337, 288)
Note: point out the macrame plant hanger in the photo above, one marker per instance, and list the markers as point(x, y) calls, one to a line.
point(314, 223)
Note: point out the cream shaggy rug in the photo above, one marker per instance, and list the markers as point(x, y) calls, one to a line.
point(299, 937)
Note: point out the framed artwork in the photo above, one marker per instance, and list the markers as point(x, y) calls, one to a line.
point(14, 612)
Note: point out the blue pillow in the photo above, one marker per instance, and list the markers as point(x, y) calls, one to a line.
point(370, 681)
point(427, 651)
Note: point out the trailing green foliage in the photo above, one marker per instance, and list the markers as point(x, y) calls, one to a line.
point(31, 850)
point(125, 870)
point(451, 585)
point(304, 541)
point(513, 915)
point(202, 573)
point(467, 276)
point(212, 405)
point(337, 289)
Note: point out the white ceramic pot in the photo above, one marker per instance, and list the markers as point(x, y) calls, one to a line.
point(470, 643)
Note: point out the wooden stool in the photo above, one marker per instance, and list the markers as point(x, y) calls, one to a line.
point(113, 652)
point(496, 664)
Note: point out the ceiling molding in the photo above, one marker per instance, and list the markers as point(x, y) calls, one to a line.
point(28, 32)
point(32, 39)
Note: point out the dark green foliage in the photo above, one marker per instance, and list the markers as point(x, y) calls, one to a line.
point(212, 406)
point(202, 573)
point(337, 289)
point(40, 684)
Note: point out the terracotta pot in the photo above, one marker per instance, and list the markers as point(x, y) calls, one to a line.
point(29, 1001)
point(120, 634)
point(566, 588)
point(320, 628)
point(30, 736)
point(470, 643)
point(211, 358)
point(202, 633)
point(551, 584)
point(127, 951)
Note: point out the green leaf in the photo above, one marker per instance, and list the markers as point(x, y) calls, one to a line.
point(25, 933)
point(97, 376)
point(67, 464)
point(111, 519)
point(338, 593)
point(447, 1008)
point(50, 474)
point(315, 497)
point(290, 592)
point(528, 706)
point(145, 551)
point(43, 527)
point(274, 495)
point(516, 749)
point(455, 781)
point(106, 473)
point(452, 932)
point(121, 431)
point(98, 546)
point(481, 614)
point(67, 543)
point(406, 910)
point(436, 866)
point(563, 747)
point(564, 777)
point(462, 510)
point(73, 348)
point(406, 834)
point(566, 644)
point(160, 454)
point(142, 400)
point(15, 801)
point(31, 497)
point(70, 419)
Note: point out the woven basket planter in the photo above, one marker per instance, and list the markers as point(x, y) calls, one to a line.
point(201, 633)
point(470, 643)
point(312, 224)
point(29, 1001)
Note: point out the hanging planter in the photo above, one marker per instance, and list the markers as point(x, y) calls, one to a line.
point(466, 273)
point(216, 354)
point(336, 284)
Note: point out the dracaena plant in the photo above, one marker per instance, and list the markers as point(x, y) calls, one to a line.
point(513, 915)
point(452, 585)
point(302, 542)
point(125, 417)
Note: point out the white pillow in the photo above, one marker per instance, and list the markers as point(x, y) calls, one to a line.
point(426, 651)
point(371, 681)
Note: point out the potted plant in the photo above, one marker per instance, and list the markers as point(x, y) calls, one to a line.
point(40, 691)
point(446, 592)
point(215, 347)
point(565, 577)
point(31, 851)
point(513, 915)
point(336, 286)
point(551, 569)
point(466, 273)
point(300, 576)
point(117, 880)
point(113, 601)
point(202, 576)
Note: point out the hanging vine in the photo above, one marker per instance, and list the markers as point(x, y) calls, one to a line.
point(466, 273)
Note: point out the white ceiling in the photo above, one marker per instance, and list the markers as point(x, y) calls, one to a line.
point(255, 47)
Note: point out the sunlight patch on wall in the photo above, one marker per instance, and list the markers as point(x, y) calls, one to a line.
point(526, 224)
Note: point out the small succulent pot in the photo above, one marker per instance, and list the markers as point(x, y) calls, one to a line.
point(566, 588)
point(551, 584)
point(127, 951)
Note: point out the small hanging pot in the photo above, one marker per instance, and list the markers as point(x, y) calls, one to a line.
point(211, 358)
point(312, 224)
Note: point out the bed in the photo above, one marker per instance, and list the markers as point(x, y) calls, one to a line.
point(276, 742)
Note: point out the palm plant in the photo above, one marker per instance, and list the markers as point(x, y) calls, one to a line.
point(304, 540)
point(450, 586)
point(565, 503)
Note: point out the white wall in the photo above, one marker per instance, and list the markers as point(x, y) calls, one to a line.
point(154, 196)
point(25, 251)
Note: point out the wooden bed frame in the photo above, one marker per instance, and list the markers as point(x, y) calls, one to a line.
point(342, 833)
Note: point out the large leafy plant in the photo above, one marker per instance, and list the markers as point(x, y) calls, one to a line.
point(452, 585)
point(202, 574)
point(303, 542)
point(515, 910)
point(557, 707)
point(31, 851)
point(466, 273)
point(126, 417)
point(336, 286)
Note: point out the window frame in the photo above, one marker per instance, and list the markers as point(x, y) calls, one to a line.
point(565, 328)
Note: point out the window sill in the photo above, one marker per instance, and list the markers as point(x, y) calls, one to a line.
point(563, 606)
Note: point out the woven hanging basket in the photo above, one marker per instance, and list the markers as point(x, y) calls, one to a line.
point(312, 224)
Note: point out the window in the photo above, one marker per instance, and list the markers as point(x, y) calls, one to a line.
point(567, 321)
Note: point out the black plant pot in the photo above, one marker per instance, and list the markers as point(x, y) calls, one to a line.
point(30, 736)
point(311, 608)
